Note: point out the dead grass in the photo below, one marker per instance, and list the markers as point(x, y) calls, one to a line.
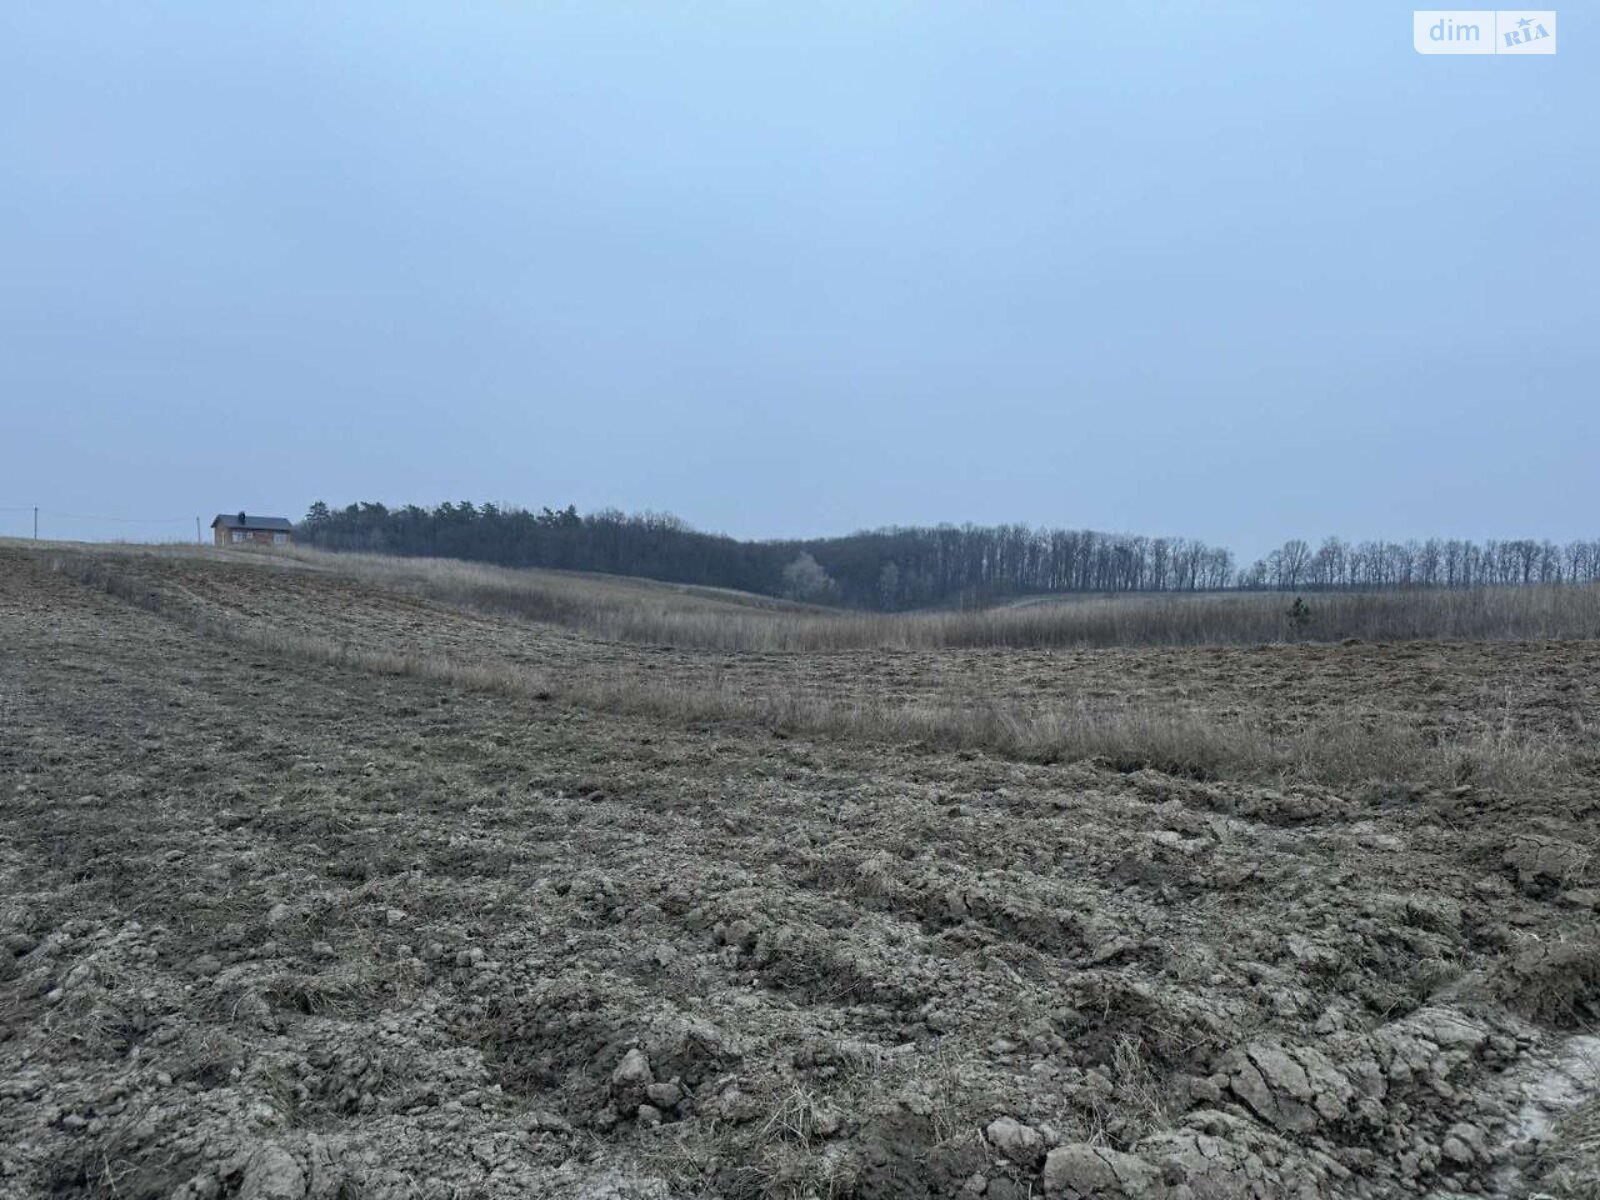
point(1572, 1163)
point(1557, 984)
point(646, 612)
point(710, 619)
point(695, 622)
point(1181, 741)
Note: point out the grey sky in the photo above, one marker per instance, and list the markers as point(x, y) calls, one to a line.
point(1238, 271)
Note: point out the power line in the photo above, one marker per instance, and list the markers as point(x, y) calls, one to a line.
point(58, 514)
point(51, 512)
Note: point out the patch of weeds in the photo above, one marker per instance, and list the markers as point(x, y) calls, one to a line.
point(207, 1058)
point(115, 1167)
point(343, 993)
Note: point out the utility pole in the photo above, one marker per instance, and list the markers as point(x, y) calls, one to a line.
point(36, 522)
point(197, 531)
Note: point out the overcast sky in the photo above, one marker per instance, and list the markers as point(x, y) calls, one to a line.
point(1240, 271)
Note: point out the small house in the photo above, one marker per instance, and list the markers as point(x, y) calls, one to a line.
point(241, 529)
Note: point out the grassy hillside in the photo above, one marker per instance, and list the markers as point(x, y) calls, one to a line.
point(645, 611)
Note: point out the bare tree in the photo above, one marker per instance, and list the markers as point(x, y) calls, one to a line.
point(1291, 563)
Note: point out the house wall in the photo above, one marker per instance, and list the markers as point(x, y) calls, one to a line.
point(257, 537)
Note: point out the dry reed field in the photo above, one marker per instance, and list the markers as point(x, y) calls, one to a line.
point(714, 619)
point(333, 877)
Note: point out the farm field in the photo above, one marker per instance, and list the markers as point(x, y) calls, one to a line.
point(331, 880)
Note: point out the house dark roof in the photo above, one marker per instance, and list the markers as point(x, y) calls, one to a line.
point(244, 521)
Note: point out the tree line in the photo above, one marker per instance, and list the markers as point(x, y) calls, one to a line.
point(1436, 562)
point(898, 568)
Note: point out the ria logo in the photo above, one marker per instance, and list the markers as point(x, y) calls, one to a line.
point(1527, 32)
point(1483, 31)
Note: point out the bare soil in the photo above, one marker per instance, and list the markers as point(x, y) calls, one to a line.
point(272, 928)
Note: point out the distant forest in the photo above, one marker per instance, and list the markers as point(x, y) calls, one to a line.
point(899, 568)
